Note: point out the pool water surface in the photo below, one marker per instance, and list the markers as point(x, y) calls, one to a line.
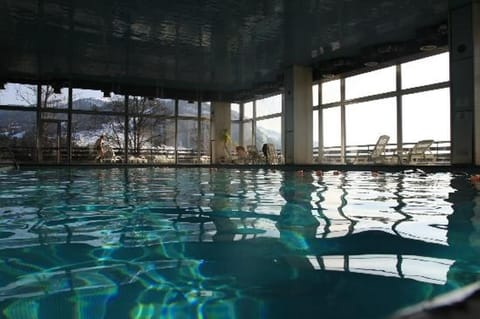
point(227, 243)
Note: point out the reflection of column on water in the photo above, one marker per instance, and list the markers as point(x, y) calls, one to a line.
point(221, 205)
point(296, 222)
point(464, 201)
point(464, 230)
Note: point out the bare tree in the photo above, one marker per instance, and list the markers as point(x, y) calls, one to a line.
point(144, 123)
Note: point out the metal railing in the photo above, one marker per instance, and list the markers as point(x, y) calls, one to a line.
point(331, 155)
point(441, 151)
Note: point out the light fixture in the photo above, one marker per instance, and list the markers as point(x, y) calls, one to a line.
point(428, 47)
point(329, 76)
point(371, 64)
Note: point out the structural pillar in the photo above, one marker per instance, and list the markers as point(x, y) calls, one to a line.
point(221, 121)
point(464, 24)
point(298, 116)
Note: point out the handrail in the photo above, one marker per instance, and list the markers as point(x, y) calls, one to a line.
point(332, 154)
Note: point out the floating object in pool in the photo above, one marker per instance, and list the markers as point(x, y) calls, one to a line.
point(336, 172)
point(300, 172)
point(475, 178)
point(319, 173)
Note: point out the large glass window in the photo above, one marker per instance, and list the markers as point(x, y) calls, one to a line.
point(87, 128)
point(235, 132)
point(17, 135)
point(187, 141)
point(187, 108)
point(248, 111)
point(205, 109)
point(234, 111)
point(315, 95)
point(371, 83)
point(331, 127)
point(88, 100)
point(330, 92)
point(269, 105)
point(425, 71)
point(269, 131)
point(53, 137)
point(19, 95)
point(365, 122)
point(426, 115)
point(247, 133)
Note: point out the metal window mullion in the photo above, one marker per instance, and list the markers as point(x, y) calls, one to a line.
point(343, 129)
point(39, 130)
point(320, 124)
point(176, 131)
point(199, 130)
point(69, 123)
point(126, 129)
point(254, 123)
point(240, 124)
point(399, 108)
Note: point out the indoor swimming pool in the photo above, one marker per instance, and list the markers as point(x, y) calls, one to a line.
point(228, 243)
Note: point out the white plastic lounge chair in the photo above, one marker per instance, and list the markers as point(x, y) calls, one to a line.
point(419, 153)
point(377, 155)
point(109, 156)
point(253, 157)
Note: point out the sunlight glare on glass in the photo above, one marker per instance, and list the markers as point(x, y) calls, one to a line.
point(371, 83)
point(269, 105)
point(366, 121)
point(426, 115)
point(433, 69)
point(330, 91)
point(331, 126)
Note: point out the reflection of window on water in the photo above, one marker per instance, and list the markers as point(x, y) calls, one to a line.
point(419, 268)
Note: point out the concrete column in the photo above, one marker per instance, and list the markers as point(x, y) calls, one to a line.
point(298, 116)
point(464, 24)
point(221, 121)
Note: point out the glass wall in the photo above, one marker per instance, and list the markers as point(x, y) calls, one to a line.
point(156, 132)
point(363, 122)
point(434, 69)
point(268, 122)
point(17, 135)
point(370, 107)
point(257, 123)
point(426, 115)
point(370, 83)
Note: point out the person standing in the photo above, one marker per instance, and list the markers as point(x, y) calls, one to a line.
point(99, 147)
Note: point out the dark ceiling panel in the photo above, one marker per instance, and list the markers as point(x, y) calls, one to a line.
point(219, 46)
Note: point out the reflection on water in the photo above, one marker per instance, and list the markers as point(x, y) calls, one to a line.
point(199, 242)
